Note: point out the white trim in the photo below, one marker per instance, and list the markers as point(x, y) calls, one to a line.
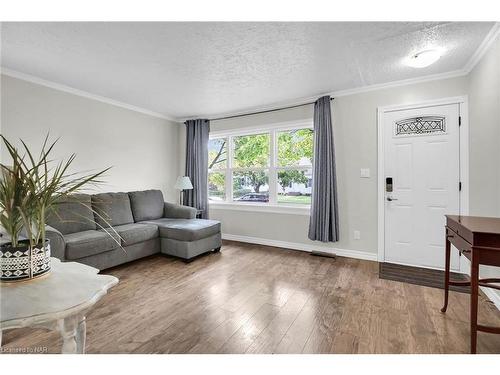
point(347, 92)
point(424, 103)
point(356, 254)
point(380, 187)
point(229, 171)
point(85, 94)
point(334, 94)
point(475, 58)
point(272, 168)
point(403, 82)
point(462, 101)
point(464, 155)
point(256, 207)
point(492, 294)
point(483, 47)
point(257, 129)
point(273, 171)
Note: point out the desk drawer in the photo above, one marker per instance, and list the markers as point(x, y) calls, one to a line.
point(459, 229)
point(458, 241)
point(452, 224)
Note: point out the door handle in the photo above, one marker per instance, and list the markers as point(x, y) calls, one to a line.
point(391, 199)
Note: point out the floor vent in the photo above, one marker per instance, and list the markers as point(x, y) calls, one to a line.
point(323, 254)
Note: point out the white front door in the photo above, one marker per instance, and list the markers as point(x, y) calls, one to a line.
point(421, 153)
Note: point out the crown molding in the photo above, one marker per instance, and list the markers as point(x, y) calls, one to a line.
point(85, 94)
point(275, 106)
point(334, 94)
point(475, 58)
point(483, 47)
point(403, 82)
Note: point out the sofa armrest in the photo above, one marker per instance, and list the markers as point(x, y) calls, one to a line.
point(176, 211)
point(57, 242)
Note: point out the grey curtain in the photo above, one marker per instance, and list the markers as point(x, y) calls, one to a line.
point(197, 165)
point(324, 221)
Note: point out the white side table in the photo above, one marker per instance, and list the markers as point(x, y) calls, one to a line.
point(59, 301)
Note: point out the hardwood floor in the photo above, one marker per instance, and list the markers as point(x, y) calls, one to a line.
point(258, 299)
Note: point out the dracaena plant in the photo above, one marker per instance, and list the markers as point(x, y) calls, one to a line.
point(31, 186)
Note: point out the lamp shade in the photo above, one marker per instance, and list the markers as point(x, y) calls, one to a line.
point(183, 183)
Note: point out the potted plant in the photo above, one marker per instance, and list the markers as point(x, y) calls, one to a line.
point(29, 190)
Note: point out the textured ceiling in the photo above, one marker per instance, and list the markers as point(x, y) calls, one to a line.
point(188, 69)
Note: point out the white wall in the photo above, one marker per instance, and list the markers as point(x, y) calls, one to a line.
point(484, 96)
point(143, 150)
point(355, 132)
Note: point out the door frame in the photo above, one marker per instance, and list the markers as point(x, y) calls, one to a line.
point(463, 108)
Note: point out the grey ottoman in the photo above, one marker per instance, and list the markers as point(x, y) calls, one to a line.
point(188, 238)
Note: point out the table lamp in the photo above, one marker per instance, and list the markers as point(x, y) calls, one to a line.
point(183, 183)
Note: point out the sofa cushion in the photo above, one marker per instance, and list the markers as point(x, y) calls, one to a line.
point(112, 209)
point(89, 242)
point(146, 205)
point(186, 229)
point(72, 214)
point(134, 233)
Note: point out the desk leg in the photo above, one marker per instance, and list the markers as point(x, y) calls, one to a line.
point(67, 328)
point(81, 333)
point(474, 281)
point(446, 273)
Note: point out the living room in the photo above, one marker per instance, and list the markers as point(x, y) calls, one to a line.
point(226, 187)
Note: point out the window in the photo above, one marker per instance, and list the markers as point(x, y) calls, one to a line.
point(217, 166)
point(268, 167)
point(421, 125)
point(251, 167)
point(295, 154)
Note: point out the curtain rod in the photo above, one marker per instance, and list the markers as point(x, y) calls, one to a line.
point(266, 111)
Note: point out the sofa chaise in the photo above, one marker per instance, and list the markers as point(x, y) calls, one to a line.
point(142, 225)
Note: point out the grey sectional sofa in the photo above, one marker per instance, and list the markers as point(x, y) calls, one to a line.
point(142, 224)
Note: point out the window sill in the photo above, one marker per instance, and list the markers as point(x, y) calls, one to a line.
point(268, 208)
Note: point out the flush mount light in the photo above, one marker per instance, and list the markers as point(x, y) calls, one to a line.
point(424, 58)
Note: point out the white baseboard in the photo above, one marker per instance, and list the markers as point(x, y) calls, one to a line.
point(302, 247)
point(492, 294)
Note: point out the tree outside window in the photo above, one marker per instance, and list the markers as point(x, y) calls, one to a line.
point(217, 166)
point(295, 155)
point(244, 171)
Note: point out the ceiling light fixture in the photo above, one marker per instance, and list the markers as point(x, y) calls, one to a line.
point(424, 58)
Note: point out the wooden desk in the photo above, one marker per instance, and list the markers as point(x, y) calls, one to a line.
point(478, 239)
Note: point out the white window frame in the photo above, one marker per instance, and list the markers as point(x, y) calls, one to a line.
point(273, 168)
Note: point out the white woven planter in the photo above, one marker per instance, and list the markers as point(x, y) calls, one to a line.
point(24, 263)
